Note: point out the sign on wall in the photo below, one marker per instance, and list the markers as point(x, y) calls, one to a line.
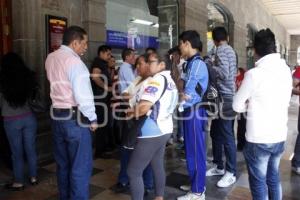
point(55, 27)
point(131, 39)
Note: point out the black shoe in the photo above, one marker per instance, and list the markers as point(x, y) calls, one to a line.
point(34, 181)
point(10, 186)
point(121, 188)
point(147, 191)
point(240, 147)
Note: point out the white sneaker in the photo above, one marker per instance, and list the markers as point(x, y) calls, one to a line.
point(192, 196)
point(296, 170)
point(181, 140)
point(185, 188)
point(170, 141)
point(214, 171)
point(227, 180)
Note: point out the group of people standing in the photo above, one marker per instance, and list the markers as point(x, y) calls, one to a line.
point(148, 94)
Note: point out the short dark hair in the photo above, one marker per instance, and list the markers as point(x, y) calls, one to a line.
point(150, 49)
point(193, 37)
point(103, 48)
point(264, 42)
point(73, 33)
point(161, 57)
point(219, 34)
point(126, 52)
point(173, 50)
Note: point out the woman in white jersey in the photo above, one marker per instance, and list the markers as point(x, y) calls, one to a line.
point(156, 99)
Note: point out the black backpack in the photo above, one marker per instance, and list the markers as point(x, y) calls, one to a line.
point(210, 98)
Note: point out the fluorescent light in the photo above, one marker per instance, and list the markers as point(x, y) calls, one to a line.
point(156, 25)
point(140, 21)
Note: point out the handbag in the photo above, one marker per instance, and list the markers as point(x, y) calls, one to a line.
point(35, 102)
point(132, 127)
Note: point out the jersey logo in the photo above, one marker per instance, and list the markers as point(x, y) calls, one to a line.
point(151, 90)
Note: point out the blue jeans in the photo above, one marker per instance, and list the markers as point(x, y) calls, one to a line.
point(73, 156)
point(180, 125)
point(222, 135)
point(263, 169)
point(21, 134)
point(123, 177)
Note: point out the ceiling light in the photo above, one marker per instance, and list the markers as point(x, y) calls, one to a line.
point(140, 21)
point(156, 25)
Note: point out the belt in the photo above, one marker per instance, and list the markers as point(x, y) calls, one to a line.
point(73, 115)
point(65, 109)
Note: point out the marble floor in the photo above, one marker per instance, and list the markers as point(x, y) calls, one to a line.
point(106, 170)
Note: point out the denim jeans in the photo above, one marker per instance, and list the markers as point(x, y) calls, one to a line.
point(73, 156)
point(21, 134)
point(263, 169)
point(123, 177)
point(222, 136)
point(296, 158)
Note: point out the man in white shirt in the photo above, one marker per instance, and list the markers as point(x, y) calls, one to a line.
point(265, 94)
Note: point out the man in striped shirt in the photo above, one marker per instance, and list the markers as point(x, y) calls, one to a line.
point(222, 134)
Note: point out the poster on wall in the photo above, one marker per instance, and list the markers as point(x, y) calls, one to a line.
point(55, 27)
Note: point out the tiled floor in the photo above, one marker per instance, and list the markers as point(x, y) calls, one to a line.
point(106, 170)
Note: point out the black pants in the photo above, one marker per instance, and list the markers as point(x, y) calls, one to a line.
point(104, 138)
point(241, 130)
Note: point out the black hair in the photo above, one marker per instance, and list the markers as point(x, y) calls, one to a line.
point(193, 37)
point(126, 52)
point(103, 48)
point(139, 57)
point(219, 34)
point(73, 33)
point(18, 83)
point(150, 49)
point(264, 42)
point(174, 50)
point(161, 58)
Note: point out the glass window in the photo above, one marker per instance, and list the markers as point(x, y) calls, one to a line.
point(139, 24)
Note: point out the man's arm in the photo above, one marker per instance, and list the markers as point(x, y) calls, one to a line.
point(222, 70)
point(82, 91)
point(194, 76)
point(96, 77)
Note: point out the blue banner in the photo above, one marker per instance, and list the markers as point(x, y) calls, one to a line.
point(122, 40)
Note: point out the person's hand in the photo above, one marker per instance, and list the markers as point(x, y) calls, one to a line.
point(93, 126)
point(129, 113)
point(184, 97)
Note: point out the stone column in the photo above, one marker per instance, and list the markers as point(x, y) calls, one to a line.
point(94, 20)
point(195, 17)
point(295, 43)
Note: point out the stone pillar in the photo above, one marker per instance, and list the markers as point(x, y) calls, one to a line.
point(193, 16)
point(295, 43)
point(94, 20)
point(28, 38)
